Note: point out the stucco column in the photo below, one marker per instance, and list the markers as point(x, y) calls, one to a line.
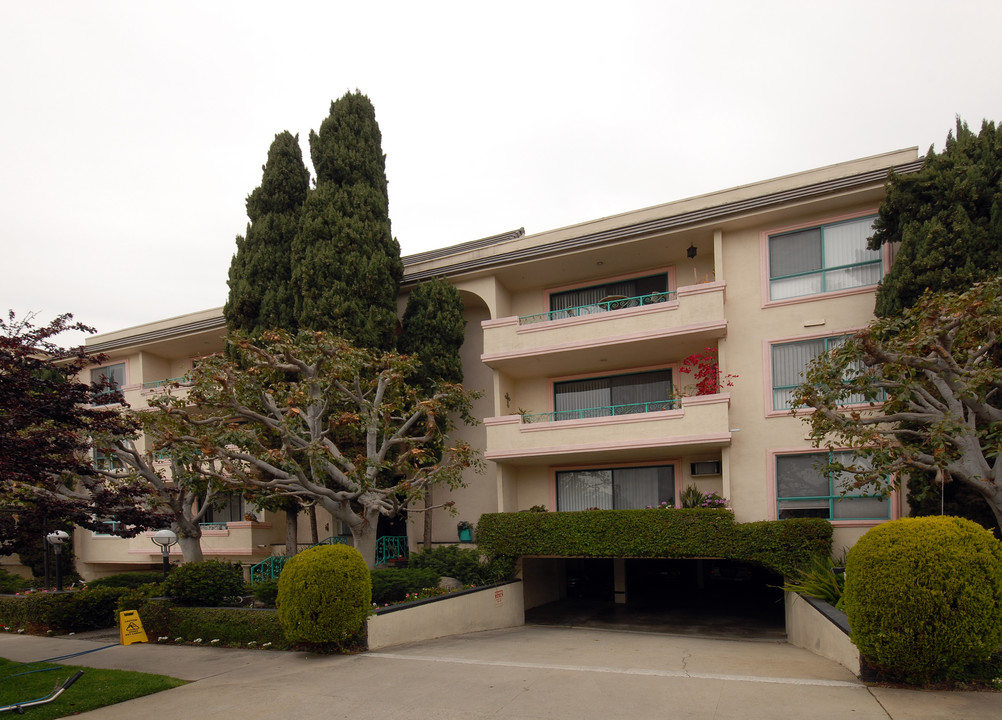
point(619, 580)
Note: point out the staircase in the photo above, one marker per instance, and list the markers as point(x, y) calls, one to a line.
point(388, 547)
point(271, 568)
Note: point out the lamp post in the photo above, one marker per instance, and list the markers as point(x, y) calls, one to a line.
point(56, 540)
point(165, 538)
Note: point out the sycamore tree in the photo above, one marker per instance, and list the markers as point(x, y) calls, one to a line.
point(919, 391)
point(314, 418)
point(48, 417)
point(179, 483)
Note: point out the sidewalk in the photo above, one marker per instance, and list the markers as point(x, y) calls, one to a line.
point(526, 672)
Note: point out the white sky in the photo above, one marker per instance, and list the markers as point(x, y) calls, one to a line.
point(131, 132)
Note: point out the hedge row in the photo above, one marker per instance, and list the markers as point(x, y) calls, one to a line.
point(782, 545)
point(231, 626)
point(62, 612)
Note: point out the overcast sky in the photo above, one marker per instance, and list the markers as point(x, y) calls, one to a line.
point(131, 132)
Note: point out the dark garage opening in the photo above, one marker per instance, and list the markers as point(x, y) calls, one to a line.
point(710, 597)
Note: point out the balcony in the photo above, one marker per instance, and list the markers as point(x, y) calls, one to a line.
point(693, 425)
point(577, 339)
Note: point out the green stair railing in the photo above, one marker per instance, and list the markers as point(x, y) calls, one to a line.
point(390, 547)
point(271, 568)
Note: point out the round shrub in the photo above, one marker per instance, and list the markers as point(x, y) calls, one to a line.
point(209, 583)
point(324, 595)
point(924, 597)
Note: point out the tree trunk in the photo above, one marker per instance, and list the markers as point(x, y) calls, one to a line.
point(189, 538)
point(427, 519)
point(191, 548)
point(291, 529)
point(314, 533)
point(365, 543)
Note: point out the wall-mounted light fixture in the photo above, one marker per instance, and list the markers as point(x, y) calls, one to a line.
point(691, 252)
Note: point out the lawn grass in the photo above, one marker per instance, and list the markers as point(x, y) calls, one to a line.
point(95, 688)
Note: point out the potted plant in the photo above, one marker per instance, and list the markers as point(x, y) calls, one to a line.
point(465, 531)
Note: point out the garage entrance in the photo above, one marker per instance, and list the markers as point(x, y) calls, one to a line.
point(711, 597)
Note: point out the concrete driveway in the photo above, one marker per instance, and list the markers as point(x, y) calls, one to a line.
point(525, 672)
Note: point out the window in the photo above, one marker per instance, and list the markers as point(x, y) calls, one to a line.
point(615, 488)
point(228, 507)
point(113, 526)
point(623, 293)
point(789, 365)
point(615, 395)
point(108, 462)
point(107, 382)
point(823, 259)
point(805, 489)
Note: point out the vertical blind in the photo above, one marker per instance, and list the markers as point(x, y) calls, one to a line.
point(615, 488)
point(618, 394)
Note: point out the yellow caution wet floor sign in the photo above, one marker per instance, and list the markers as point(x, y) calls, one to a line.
point(130, 627)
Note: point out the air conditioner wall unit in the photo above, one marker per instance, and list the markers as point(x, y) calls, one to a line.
point(709, 467)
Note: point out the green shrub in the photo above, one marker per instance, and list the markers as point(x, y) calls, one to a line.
point(691, 497)
point(924, 597)
point(127, 580)
point(11, 583)
point(135, 598)
point(89, 609)
point(324, 595)
point(266, 592)
point(468, 566)
point(29, 612)
point(230, 626)
point(818, 579)
point(392, 584)
point(780, 545)
point(209, 583)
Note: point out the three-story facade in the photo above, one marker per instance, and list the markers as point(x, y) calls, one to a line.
point(577, 338)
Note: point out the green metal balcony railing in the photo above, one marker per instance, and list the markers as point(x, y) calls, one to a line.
point(270, 568)
point(160, 383)
point(604, 305)
point(597, 412)
point(212, 525)
point(390, 547)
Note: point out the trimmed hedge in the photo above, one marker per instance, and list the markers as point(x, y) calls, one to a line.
point(209, 583)
point(924, 597)
point(75, 611)
point(324, 595)
point(130, 580)
point(468, 566)
point(392, 584)
point(231, 626)
point(782, 545)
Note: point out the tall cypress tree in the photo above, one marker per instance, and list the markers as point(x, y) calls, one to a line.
point(261, 293)
point(948, 220)
point(947, 217)
point(346, 266)
point(434, 330)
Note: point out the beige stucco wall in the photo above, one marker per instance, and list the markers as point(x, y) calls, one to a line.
point(809, 629)
point(489, 608)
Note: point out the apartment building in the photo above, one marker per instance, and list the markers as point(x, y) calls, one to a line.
point(577, 336)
